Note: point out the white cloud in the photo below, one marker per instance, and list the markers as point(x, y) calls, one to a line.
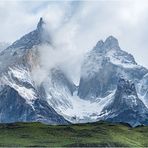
point(77, 26)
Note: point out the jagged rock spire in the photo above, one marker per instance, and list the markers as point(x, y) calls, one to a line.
point(40, 24)
point(111, 42)
point(99, 44)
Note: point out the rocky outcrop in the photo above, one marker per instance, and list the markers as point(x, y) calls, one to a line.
point(126, 106)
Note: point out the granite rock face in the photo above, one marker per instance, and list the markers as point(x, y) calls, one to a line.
point(14, 108)
point(126, 106)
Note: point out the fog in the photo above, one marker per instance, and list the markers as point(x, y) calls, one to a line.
point(76, 26)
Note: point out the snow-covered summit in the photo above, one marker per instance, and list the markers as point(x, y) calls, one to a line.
point(109, 44)
point(24, 49)
point(111, 49)
point(103, 65)
point(33, 38)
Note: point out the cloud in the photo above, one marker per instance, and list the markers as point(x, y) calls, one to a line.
point(76, 26)
point(62, 28)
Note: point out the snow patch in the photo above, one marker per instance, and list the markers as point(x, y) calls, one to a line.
point(120, 60)
point(73, 108)
point(86, 109)
point(23, 76)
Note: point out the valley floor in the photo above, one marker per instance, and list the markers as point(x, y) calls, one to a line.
point(91, 134)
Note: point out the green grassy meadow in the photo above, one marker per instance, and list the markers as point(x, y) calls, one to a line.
point(101, 134)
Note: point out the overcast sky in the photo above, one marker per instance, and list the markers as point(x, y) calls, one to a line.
point(86, 22)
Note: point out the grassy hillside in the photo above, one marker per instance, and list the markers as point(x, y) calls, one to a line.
point(93, 134)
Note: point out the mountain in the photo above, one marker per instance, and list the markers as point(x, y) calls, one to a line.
point(112, 85)
point(98, 87)
point(23, 51)
point(19, 95)
point(126, 106)
point(103, 65)
point(101, 74)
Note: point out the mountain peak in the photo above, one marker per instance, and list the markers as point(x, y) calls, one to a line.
point(40, 24)
point(100, 43)
point(111, 39)
point(111, 42)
